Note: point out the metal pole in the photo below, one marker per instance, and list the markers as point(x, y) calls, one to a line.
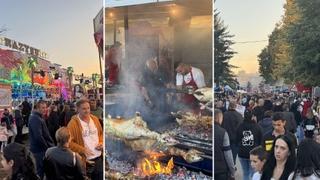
point(126, 28)
point(114, 31)
point(32, 73)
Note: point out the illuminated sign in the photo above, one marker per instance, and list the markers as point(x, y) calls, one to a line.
point(22, 47)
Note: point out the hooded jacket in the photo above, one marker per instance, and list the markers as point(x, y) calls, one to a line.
point(77, 142)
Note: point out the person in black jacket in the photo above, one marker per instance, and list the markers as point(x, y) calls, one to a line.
point(296, 109)
point(39, 136)
point(249, 136)
point(278, 123)
point(291, 124)
point(259, 110)
point(53, 122)
point(26, 110)
point(266, 122)
point(62, 163)
point(18, 163)
point(231, 121)
point(224, 166)
point(19, 123)
point(70, 113)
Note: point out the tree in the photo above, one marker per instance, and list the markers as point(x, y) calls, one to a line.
point(266, 66)
point(291, 17)
point(223, 73)
point(305, 39)
point(275, 59)
point(261, 87)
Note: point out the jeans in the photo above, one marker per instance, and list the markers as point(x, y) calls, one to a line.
point(221, 176)
point(19, 134)
point(247, 170)
point(234, 148)
point(300, 133)
point(95, 170)
point(39, 163)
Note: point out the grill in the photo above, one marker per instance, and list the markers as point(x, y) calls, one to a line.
point(122, 160)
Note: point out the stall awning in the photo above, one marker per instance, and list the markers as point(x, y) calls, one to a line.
point(301, 88)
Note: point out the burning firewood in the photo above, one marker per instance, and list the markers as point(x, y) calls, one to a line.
point(135, 133)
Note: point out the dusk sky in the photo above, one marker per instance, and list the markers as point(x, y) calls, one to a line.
point(63, 29)
point(249, 20)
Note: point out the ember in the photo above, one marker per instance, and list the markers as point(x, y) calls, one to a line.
point(153, 167)
point(150, 165)
point(123, 170)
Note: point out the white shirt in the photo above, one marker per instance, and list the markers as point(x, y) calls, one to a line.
point(90, 137)
point(198, 77)
point(256, 176)
point(298, 177)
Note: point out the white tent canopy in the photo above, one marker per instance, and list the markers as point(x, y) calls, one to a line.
point(227, 88)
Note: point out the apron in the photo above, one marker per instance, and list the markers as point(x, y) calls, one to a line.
point(189, 99)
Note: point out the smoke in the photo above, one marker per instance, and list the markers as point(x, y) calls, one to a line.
point(142, 45)
point(187, 39)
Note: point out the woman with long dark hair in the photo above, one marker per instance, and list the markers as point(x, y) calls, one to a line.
point(281, 161)
point(308, 161)
point(18, 163)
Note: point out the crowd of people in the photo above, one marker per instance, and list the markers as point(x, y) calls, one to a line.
point(64, 141)
point(274, 136)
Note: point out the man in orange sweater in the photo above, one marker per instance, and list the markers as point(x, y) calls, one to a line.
point(87, 139)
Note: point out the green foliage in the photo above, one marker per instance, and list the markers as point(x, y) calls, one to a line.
point(223, 52)
point(266, 66)
point(305, 39)
point(275, 59)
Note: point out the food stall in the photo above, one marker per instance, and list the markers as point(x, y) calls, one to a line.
point(142, 141)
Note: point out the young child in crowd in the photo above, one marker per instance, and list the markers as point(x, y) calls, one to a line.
point(258, 157)
point(3, 135)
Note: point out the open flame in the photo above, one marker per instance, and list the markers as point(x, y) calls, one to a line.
point(153, 167)
point(150, 165)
